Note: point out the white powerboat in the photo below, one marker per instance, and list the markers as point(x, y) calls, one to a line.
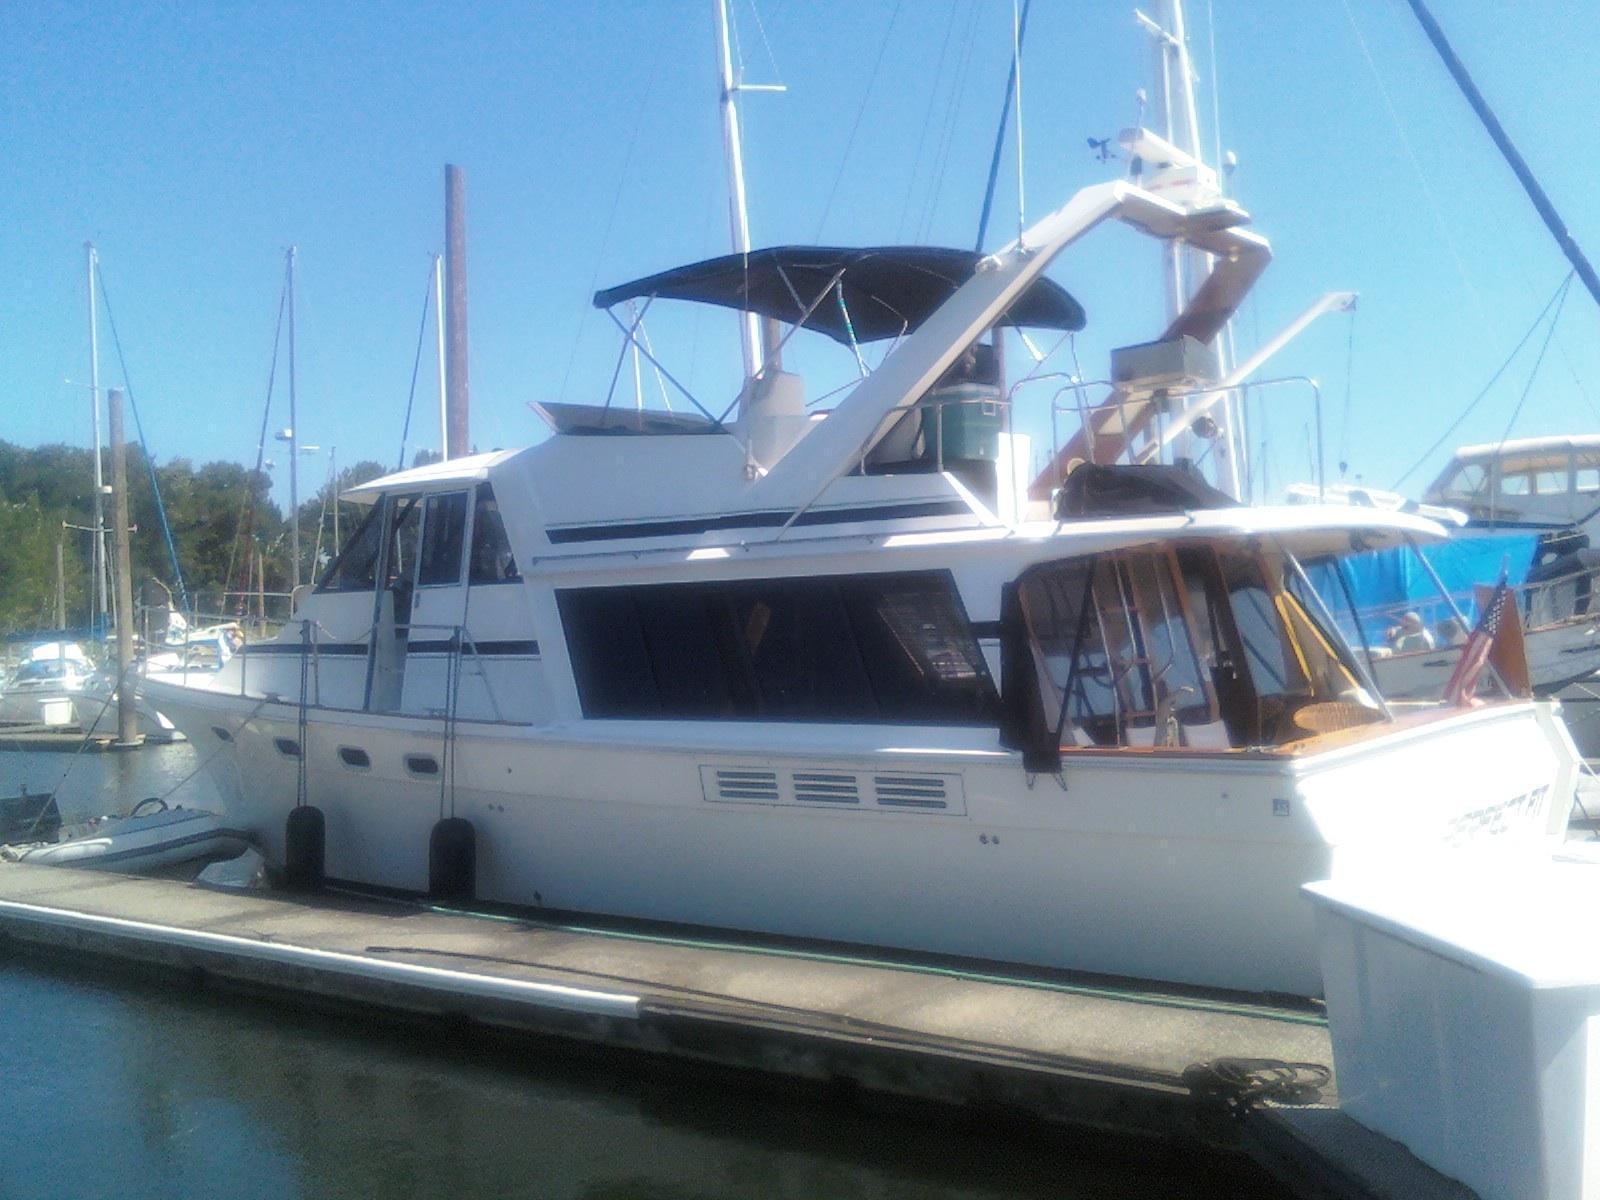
point(834, 677)
point(57, 685)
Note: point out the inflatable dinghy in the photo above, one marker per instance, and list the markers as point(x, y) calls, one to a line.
point(138, 842)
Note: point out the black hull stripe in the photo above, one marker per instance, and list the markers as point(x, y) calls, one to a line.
point(756, 520)
point(525, 649)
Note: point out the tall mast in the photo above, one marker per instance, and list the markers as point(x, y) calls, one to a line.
point(438, 323)
point(458, 440)
point(759, 337)
point(1186, 268)
point(100, 565)
point(294, 445)
point(738, 214)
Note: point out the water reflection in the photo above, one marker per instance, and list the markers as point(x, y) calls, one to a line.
point(133, 1090)
point(96, 782)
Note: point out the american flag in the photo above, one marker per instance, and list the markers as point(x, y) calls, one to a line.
point(1475, 654)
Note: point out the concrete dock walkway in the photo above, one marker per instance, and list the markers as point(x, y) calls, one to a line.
point(1110, 1058)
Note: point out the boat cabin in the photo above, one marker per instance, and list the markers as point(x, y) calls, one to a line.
point(1547, 480)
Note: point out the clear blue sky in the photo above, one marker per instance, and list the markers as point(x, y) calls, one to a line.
point(194, 142)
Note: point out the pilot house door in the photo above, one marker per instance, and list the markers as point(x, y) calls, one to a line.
point(438, 605)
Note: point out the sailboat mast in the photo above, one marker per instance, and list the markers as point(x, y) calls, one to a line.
point(438, 329)
point(759, 337)
point(99, 602)
point(1186, 268)
point(738, 213)
point(294, 445)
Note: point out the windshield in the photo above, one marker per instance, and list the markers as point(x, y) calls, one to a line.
point(1207, 647)
point(43, 669)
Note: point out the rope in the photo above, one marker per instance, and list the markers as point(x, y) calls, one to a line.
point(611, 217)
point(947, 134)
point(927, 120)
point(217, 749)
point(416, 365)
point(138, 425)
point(1493, 379)
point(247, 517)
point(856, 125)
point(83, 745)
point(1422, 178)
point(1240, 1084)
point(1537, 362)
point(302, 725)
point(1021, 32)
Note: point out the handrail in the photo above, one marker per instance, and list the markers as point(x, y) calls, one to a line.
point(462, 644)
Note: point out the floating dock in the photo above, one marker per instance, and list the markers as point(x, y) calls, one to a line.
point(29, 736)
point(1118, 1058)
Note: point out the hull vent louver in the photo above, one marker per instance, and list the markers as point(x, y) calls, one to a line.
point(747, 786)
point(910, 791)
point(817, 787)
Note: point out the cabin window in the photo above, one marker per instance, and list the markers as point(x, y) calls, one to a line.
point(609, 659)
point(1321, 650)
point(1587, 479)
point(1519, 483)
point(444, 525)
point(1467, 483)
point(803, 657)
point(356, 568)
point(1202, 647)
point(1255, 613)
point(492, 561)
point(1550, 483)
point(1113, 635)
point(892, 648)
point(403, 537)
point(695, 673)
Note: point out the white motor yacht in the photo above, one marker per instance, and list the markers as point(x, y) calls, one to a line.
point(832, 677)
point(57, 685)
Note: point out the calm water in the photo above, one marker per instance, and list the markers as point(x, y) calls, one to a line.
point(113, 1088)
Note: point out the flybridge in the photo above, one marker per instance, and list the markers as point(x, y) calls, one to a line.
point(927, 429)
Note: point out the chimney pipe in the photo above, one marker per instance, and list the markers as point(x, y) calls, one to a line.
point(457, 441)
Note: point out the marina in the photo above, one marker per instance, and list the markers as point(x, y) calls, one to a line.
point(969, 717)
point(1095, 1056)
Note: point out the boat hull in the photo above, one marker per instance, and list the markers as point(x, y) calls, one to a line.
point(1174, 867)
point(1558, 655)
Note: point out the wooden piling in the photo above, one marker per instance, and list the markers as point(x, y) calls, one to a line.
point(127, 731)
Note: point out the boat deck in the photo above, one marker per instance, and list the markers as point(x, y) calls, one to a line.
point(1073, 1051)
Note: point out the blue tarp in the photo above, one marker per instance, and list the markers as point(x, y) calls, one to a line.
point(1386, 583)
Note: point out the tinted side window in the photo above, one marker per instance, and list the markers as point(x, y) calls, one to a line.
point(919, 650)
point(609, 660)
point(356, 568)
point(889, 648)
point(444, 526)
point(492, 561)
point(805, 663)
point(692, 676)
